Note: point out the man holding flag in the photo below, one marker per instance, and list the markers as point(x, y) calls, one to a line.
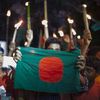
point(49, 71)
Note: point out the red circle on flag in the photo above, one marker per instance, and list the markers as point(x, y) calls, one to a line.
point(51, 69)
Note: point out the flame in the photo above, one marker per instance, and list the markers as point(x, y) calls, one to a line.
point(8, 13)
point(73, 31)
point(17, 25)
point(84, 5)
point(27, 3)
point(54, 35)
point(61, 33)
point(70, 21)
point(78, 37)
point(45, 23)
point(88, 16)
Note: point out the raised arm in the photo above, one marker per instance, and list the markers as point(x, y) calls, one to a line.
point(86, 40)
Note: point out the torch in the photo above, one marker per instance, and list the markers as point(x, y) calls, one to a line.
point(87, 34)
point(72, 45)
point(29, 34)
point(45, 21)
point(7, 27)
point(12, 44)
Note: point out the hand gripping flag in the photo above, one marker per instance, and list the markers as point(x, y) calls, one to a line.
point(47, 71)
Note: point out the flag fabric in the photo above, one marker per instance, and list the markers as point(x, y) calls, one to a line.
point(47, 71)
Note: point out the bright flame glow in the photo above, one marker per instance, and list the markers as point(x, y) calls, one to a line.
point(54, 35)
point(27, 3)
point(84, 5)
point(8, 13)
point(78, 37)
point(70, 21)
point(88, 16)
point(74, 32)
point(45, 23)
point(61, 33)
point(17, 25)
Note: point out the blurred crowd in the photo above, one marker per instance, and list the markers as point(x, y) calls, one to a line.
point(88, 65)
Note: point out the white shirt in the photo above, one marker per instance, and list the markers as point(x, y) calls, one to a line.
point(8, 61)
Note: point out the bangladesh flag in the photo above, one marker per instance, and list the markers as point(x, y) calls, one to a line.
point(47, 71)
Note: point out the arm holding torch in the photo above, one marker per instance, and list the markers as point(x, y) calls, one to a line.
point(45, 23)
point(87, 34)
point(86, 40)
point(71, 43)
point(29, 34)
point(12, 45)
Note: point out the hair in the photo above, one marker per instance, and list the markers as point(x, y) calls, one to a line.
point(52, 40)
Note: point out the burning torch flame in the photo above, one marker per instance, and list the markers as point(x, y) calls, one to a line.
point(89, 17)
point(44, 22)
point(70, 21)
point(27, 3)
point(17, 25)
point(61, 33)
point(8, 13)
point(73, 31)
point(78, 37)
point(54, 35)
point(84, 5)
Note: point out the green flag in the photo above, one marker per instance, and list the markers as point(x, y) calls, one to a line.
point(47, 71)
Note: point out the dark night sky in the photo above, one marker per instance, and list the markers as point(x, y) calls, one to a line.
point(58, 11)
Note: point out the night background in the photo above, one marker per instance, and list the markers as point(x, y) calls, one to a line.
point(58, 12)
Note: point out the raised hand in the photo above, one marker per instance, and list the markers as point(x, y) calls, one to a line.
point(81, 62)
point(17, 55)
point(29, 37)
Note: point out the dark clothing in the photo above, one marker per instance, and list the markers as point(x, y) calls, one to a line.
point(48, 96)
point(92, 94)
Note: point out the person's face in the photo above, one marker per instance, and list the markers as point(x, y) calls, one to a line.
point(54, 46)
point(91, 73)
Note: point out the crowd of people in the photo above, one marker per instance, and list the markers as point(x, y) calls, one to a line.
point(88, 66)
